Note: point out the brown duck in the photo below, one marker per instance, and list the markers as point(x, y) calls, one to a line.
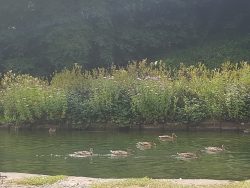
point(168, 138)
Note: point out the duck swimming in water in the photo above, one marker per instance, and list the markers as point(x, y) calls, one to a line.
point(145, 145)
point(187, 155)
point(246, 131)
point(167, 137)
point(119, 152)
point(52, 130)
point(83, 153)
point(214, 149)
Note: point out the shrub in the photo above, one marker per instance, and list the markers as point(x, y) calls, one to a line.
point(78, 110)
point(152, 101)
point(27, 99)
point(236, 102)
point(109, 102)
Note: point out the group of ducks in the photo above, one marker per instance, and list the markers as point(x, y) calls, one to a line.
point(149, 145)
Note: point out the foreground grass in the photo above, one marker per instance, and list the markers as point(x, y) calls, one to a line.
point(150, 183)
point(38, 181)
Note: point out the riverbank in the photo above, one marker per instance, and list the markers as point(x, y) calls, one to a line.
point(201, 126)
point(76, 182)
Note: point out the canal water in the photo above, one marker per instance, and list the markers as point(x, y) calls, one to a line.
point(41, 153)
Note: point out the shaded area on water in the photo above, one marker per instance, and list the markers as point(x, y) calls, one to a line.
point(38, 152)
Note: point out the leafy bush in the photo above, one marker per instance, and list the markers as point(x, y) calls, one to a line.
point(194, 110)
point(237, 102)
point(78, 110)
point(27, 99)
point(110, 101)
point(152, 102)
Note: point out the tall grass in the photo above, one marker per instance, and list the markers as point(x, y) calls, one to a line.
point(141, 93)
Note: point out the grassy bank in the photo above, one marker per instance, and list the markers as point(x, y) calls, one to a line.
point(141, 93)
point(28, 180)
point(150, 183)
point(38, 180)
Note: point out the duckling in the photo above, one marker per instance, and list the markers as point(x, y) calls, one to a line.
point(167, 137)
point(145, 145)
point(214, 149)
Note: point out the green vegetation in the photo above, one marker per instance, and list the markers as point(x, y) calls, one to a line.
point(39, 37)
point(25, 99)
point(39, 180)
point(212, 53)
point(142, 182)
point(150, 183)
point(142, 93)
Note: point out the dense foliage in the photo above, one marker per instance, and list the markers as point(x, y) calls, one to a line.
point(141, 93)
point(212, 53)
point(25, 99)
point(40, 36)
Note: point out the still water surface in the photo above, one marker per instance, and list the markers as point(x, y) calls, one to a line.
point(38, 152)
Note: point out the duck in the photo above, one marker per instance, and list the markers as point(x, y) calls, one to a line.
point(52, 130)
point(83, 153)
point(211, 149)
point(145, 145)
point(167, 137)
point(187, 155)
point(119, 153)
point(246, 131)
